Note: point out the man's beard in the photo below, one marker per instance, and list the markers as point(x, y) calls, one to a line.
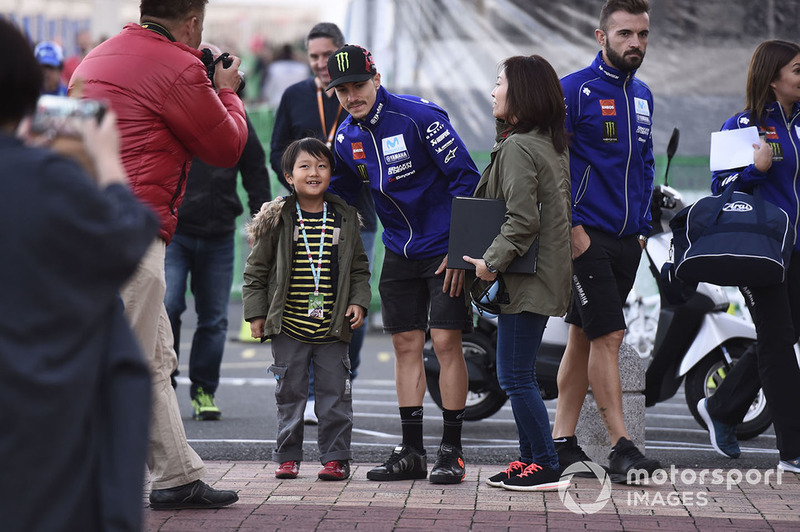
point(624, 63)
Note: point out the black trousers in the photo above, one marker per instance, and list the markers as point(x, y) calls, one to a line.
point(771, 366)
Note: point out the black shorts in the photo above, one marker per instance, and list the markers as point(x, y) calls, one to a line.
point(410, 291)
point(602, 277)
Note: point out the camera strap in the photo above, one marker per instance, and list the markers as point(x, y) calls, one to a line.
point(158, 28)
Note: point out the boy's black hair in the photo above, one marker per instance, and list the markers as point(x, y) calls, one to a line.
point(20, 77)
point(310, 145)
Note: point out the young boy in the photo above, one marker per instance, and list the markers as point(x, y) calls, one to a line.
point(306, 288)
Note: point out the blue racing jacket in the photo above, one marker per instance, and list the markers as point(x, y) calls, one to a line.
point(609, 118)
point(415, 163)
point(779, 185)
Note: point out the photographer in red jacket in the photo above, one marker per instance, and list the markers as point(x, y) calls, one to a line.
point(151, 75)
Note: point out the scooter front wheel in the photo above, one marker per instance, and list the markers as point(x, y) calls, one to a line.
point(704, 379)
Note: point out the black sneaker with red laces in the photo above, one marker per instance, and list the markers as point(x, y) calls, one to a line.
point(536, 478)
point(514, 468)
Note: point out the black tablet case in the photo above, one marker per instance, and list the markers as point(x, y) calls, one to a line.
point(474, 224)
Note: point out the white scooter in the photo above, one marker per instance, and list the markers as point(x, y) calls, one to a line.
point(697, 341)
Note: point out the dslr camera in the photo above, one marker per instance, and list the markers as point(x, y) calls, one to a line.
point(61, 116)
point(211, 67)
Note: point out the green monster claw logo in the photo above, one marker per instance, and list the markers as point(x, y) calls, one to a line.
point(343, 61)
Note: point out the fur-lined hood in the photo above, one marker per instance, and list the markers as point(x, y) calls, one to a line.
point(268, 216)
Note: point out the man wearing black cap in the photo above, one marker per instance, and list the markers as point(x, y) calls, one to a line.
point(406, 151)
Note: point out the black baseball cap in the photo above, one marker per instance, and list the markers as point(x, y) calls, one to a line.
point(350, 63)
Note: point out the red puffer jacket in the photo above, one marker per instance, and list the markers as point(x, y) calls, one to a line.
point(167, 112)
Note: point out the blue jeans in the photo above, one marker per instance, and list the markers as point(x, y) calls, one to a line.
point(210, 263)
point(518, 340)
point(357, 341)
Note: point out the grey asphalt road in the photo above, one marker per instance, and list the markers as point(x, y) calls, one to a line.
point(247, 429)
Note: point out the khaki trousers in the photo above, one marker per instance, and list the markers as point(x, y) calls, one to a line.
point(171, 461)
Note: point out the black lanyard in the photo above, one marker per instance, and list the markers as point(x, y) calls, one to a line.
point(158, 28)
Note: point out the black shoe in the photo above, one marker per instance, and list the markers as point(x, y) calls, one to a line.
point(627, 465)
point(197, 495)
point(514, 468)
point(405, 463)
point(449, 466)
point(536, 478)
point(569, 453)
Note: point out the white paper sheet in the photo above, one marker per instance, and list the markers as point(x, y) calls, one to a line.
point(732, 148)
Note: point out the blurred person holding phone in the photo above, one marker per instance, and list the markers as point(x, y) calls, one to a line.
point(153, 78)
point(73, 381)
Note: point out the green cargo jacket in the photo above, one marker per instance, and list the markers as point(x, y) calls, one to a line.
point(268, 268)
point(525, 170)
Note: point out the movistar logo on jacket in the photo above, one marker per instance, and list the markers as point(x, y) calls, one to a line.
point(394, 149)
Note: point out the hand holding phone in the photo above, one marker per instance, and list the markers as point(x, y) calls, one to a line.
point(61, 116)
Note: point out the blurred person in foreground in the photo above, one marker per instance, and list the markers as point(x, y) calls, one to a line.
point(152, 77)
point(202, 249)
point(50, 56)
point(74, 385)
point(609, 120)
point(529, 170)
point(308, 108)
point(773, 106)
point(413, 161)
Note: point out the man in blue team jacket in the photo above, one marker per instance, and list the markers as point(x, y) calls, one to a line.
point(609, 114)
point(406, 151)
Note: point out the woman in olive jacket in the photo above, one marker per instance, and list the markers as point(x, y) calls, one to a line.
point(529, 169)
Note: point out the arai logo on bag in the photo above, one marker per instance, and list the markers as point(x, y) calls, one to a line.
point(737, 206)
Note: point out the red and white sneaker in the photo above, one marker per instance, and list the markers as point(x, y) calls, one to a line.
point(288, 469)
point(335, 470)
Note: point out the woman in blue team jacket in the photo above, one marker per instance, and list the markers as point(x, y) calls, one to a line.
point(772, 105)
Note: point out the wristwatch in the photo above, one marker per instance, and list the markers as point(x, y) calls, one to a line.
point(642, 238)
point(490, 267)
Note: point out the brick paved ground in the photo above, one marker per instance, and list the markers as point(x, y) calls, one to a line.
point(678, 503)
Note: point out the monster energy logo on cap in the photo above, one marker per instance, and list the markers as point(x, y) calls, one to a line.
point(343, 61)
point(350, 64)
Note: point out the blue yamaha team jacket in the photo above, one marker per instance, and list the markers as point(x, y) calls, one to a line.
point(780, 185)
point(415, 163)
point(609, 117)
